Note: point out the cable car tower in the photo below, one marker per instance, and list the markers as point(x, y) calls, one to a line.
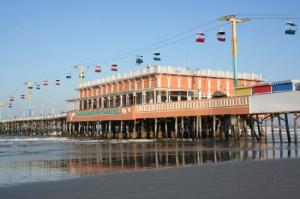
point(234, 21)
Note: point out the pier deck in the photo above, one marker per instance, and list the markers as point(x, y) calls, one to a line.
point(196, 119)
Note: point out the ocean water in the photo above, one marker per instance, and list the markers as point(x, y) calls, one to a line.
point(26, 159)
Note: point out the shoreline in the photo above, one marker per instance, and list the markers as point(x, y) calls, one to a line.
point(262, 179)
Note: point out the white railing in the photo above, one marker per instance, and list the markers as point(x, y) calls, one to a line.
point(194, 104)
point(170, 70)
point(41, 117)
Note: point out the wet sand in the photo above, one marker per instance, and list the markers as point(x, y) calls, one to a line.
point(246, 179)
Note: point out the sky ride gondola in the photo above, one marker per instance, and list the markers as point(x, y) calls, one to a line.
point(22, 96)
point(30, 86)
point(139, 59)
point(57, 82)
point(290, 28)
point(98, 69)
point(38, 87)
point(201, 37)
point(11, 99)
point(68, 75)
point(221, 36)
point(45, 83)
point(157, 56)
point(114, 67)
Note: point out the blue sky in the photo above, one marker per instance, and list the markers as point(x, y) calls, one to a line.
point(42, 39)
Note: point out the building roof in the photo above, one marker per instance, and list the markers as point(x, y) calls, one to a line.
point(150, 70)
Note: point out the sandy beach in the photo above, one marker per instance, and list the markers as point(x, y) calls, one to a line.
point(246, 179)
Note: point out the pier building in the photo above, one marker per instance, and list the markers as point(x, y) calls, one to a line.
point(157, 102)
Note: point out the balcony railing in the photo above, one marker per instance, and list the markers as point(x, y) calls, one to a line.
point(41, 117)
point(194, 104)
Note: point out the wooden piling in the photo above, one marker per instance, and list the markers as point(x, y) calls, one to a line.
point(234, 126)
point(176, 127)
point(197, 127)
point(226, 127)
point(194, 127)
point(155, 128)
point(286, 119)
point(166, 127)
point(182, 127)
point(253, 133)
point(258, 126)
point(200, 127)
point(214, 127)
point(134, 133)
point(159, 132)
point(109, 133)
point(272, 128)
point(245, 130)
point(266, 130)
point(238, 126)
point(145, 130)
point(121, 126)
point(295, 129)
point(279, 128)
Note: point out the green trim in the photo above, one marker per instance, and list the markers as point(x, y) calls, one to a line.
point(99, 112)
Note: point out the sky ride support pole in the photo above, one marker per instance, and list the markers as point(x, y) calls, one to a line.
point(29, 101)
point(81, 74)
point(234, 53)
point(234, 21)
point(30, 88)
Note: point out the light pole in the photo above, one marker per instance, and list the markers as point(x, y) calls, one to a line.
point(234, 21)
